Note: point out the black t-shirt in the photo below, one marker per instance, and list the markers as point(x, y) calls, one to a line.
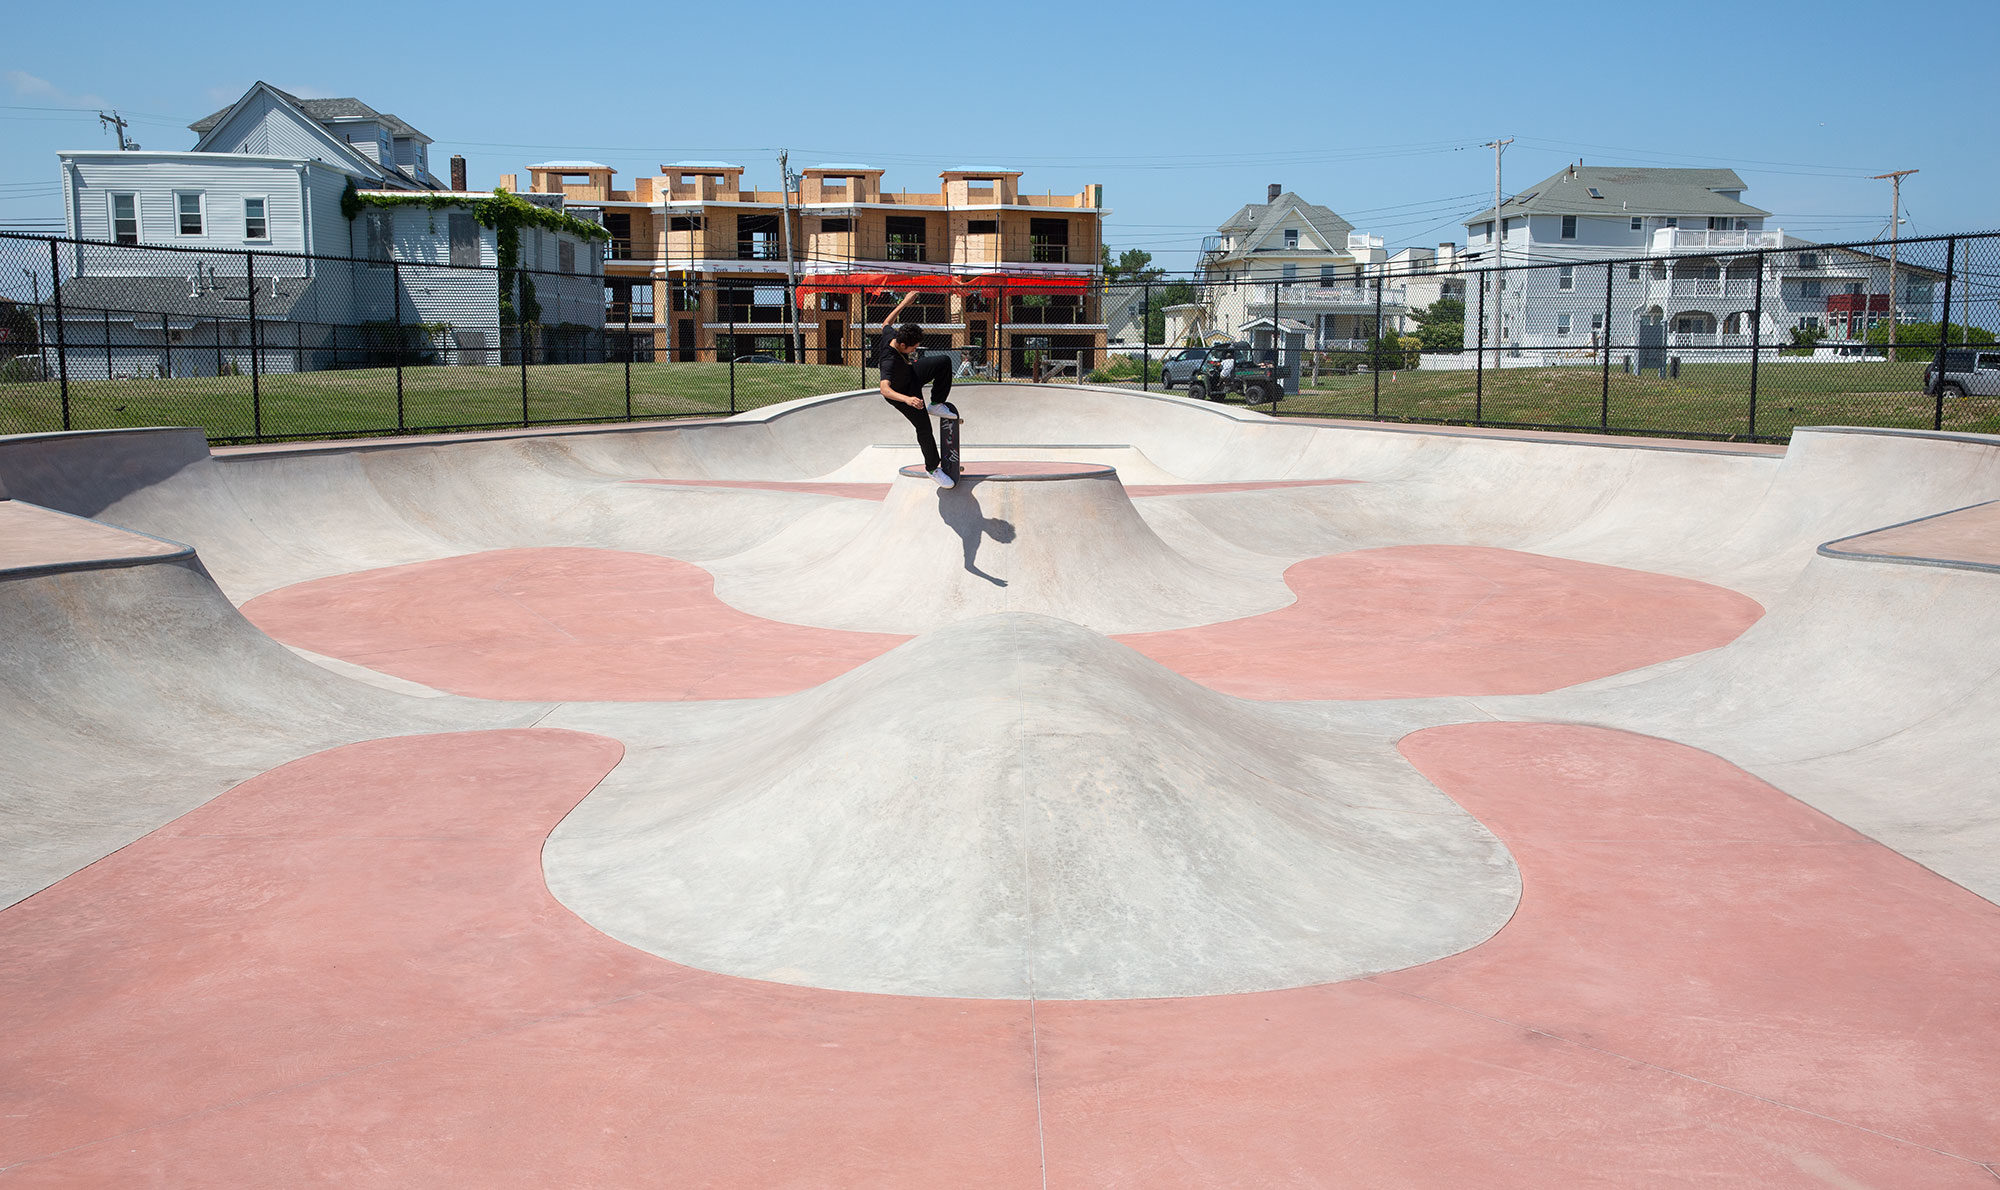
point(895, 368)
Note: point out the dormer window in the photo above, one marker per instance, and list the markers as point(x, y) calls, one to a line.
point(1596, 193)
point(1291, 237)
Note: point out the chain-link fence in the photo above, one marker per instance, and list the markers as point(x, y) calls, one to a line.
point(1734, 336)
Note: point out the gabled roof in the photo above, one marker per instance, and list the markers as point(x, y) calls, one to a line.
point(210, 128)
point(320, 110)
point(1263, 215)
point(1628, 190)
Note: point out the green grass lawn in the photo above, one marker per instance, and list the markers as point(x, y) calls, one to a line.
point(1707, 399)
point(318, 404)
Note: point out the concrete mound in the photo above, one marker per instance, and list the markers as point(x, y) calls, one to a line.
point(1059, 539)
point(1015, 806)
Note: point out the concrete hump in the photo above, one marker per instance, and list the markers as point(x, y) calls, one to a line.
point(1015, 806)
point(1055, 538)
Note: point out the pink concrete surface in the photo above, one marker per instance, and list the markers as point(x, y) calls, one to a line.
point(348, 971)
point(558, 623)
point(1421, 621)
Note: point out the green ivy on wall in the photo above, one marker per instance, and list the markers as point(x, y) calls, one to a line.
point(506, 214)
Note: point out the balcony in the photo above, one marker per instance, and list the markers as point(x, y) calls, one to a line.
point(618, 249)
point(1669, 241)
point(1326, 296)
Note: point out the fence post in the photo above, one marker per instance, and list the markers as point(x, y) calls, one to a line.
point(1944, 333)
point(62, 346)
point(396, 335)
point(107, 343)
point(1146, 339)
point(1479, 360)
point(1375, 355)
point(1604, 393)
point(166, 348)
point(631, 349)
point(521, 341)
point(256, 387)
point(732, 358)
point(298, 348)
point(1756, 338)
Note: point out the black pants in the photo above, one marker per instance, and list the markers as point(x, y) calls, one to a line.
point(934, 370)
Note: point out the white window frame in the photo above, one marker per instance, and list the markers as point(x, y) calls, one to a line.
point(1568, 231)
point(1638, 223)
point(1562, 324)
point(200, 211)
point(1291, 237)
point(1809, 287)
point(1597, 321)
point(111, 216)
point(1566, 277)
point(264, 203)
point(1631, 272)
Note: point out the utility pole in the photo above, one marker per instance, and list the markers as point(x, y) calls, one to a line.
point(1498, 276)
point(1895, 180)
point(786, 176)
point(117, 123)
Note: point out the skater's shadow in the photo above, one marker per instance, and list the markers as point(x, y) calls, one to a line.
point(960, 509)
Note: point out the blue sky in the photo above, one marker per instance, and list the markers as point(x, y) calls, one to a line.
point(1183, 111)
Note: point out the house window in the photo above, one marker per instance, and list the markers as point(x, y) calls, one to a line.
point(1631, 272)
point(255, 225)
point(1809, 323)
point(463, 231)
point(1562, 324)
point(1638, 223)
point(1486, 229)
point(1596, 323)
point(1569, 227)
point(376, 231)
point(684, 223)
point(1291, 237)
point(125, 218)
point(1566, 277)
point(642, 301)
point(1291, 272)
point(833, 301)
point(1328, 274)
point(187, 207)
point(982, 227)
point(836, 225)
point(685, 293)
point(1809, 288)
point(906, 237)
point(1672, 221)
point(566, 257)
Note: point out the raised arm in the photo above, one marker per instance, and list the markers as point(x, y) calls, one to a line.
point(891, 319)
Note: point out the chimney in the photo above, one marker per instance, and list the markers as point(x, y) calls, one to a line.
point(457, 171)
point(1272, 192)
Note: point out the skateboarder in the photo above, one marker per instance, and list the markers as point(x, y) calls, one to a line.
point(905, 371)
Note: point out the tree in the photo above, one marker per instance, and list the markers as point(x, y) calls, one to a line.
point(1173, 293)
point(1133, 264)
point(1919, 340)
point(1441, 325)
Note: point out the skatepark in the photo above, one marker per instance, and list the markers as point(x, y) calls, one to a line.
point(1187, 797)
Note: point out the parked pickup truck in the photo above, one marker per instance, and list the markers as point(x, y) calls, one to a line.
point(1966, 374)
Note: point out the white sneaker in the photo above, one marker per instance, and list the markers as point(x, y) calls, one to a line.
point(943, 412)
point(942, 477)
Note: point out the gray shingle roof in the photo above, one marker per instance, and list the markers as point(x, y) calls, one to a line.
point(1628, 190)
point(1262, 214)
point(146, 298)
point(321, 109)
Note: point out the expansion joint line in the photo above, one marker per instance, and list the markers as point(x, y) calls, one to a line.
point(1028, 902)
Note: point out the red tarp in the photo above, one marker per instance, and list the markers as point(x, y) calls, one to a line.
point(991, 285)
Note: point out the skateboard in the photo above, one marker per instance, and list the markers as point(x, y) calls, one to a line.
point(948, 440)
